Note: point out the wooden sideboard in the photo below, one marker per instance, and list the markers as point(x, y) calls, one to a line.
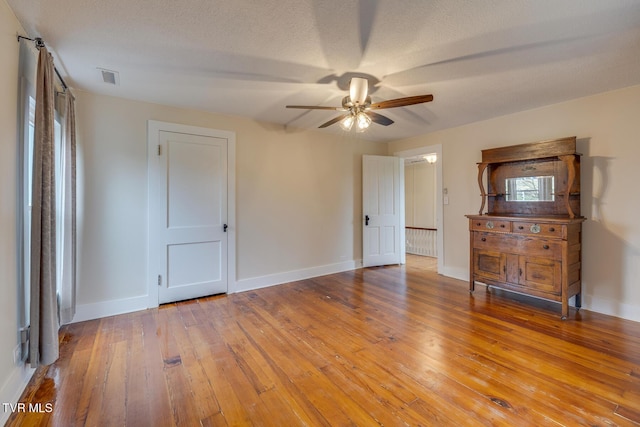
point(530, 238)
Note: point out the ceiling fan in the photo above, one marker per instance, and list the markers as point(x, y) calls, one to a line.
point(357, 107)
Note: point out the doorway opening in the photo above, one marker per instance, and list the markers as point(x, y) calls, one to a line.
point(423, 206)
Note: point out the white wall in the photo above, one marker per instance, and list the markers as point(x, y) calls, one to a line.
point(12, 378)
point(608, 131)
point(298, 200)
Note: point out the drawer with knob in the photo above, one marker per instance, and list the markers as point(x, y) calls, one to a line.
point(491, 225)
point(539, 229)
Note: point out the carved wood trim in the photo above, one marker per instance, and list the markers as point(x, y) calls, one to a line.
point(570, 161)
point(483, 193)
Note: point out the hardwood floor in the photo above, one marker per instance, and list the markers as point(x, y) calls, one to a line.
point(389, 346)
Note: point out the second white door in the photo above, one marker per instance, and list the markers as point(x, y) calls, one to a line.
point(188, 215)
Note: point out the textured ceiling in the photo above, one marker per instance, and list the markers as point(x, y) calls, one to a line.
point(480, 59)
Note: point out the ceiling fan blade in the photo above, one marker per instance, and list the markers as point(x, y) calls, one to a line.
point(316, 107)
point(379, 118)
point(333, 121)
point(402, 102)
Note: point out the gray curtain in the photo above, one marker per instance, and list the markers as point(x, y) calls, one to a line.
point(44, 306)
point(67, 286)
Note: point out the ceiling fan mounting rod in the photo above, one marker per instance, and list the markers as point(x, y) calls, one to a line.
point(358, 90)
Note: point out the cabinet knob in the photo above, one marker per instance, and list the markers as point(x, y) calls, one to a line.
point(545, 247)
point(479, 224)
point(552, 229)
point(484, 239)
point(521, 227)
point(501, 225)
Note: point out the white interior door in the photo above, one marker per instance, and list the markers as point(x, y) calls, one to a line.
point(188, 215)
point(383, 210)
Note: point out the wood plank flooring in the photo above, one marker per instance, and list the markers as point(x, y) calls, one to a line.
point(392, 346)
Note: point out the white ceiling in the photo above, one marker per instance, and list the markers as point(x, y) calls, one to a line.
point(479, 58)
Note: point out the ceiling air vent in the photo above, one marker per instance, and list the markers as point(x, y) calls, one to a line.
point(110, 77)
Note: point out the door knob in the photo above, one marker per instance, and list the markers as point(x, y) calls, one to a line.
point(224, 228)
point(366, 220)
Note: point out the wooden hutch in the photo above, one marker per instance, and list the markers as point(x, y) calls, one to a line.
point(529, 240)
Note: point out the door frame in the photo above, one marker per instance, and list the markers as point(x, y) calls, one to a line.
point(437, 149)
point(154, 128)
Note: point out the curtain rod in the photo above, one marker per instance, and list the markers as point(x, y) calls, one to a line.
point(39, 44)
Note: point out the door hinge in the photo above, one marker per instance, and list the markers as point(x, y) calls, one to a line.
point(159, 280)
point(25, 334)
point(159, 150)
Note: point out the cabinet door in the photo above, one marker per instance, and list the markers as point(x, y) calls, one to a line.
point(490, 264)
point(542, 274)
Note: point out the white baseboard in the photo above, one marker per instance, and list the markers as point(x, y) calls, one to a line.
point(455, 273)
point(292, 276)
point(610, 307)
point(128, 305)
point(110, 308)
point(13, 388)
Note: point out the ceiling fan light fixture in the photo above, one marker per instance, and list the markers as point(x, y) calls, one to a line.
point(363, 121)
point(347, 122)
point(358, 89)
point(356, 107)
